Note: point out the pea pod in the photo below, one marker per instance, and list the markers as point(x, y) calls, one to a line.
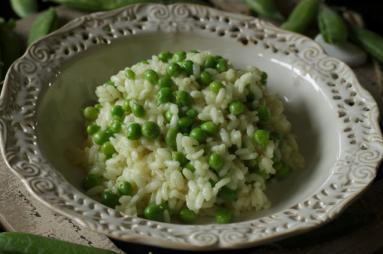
point(22, 243)
point(265, 8)
point(24, 8)
point(332, 26)
point(45, 23)
point(370, 41)
point(104, 5)
point(302, 16)
point(11, 46)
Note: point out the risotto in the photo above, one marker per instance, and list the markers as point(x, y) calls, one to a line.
point(184, 134)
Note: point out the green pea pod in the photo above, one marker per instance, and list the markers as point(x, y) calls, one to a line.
point(22, 243)
point(11, 46)
point(24, 8)
point(370, 41)
point(104, 5)
point(332, 26)
point(265, 8)
point(45, 23)
point(302, 16)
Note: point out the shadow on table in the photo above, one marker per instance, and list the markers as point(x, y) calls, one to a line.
point(358, 230)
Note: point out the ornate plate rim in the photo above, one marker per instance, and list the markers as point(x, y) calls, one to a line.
point(352, 173)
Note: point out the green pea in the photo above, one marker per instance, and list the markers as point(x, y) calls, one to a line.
point(92, 129)
point(179, 56)
point(173, 69)
point(187, 216)
point(263, 113)
point(216, 161)
point(151, 76)
point(165, 56)
point(91, 180)
point(117, 111)
point(215, 86)
point(205, 78)
point(209, 127)
point(125, 188)
point(100, 137)
point(180, 157)
point(126, 106)
point(192, 113)
point(227, 194)
point(265, 8)
point(109, 132)
point(90, 113)
point(190, 167)
point(187, 67)
point(252, 165)
point(198, 134)
point(150, 130)
point(183, 98)
point(165, 81)
point(302, 16)
point(221, 65)
point(236, 108)
point(331, 25)
point(130, 74)
point(263, 78)
point(98, 106)
point(137, 109)
point(133, 132)
point(223, 216)
point(164, 95)
point(282, 170)
point(184, 122)
point(115, 126)
point(276, 136)
point(261, 137)
point(154, 212)
point(108, 149)
point(210, 62)
point(168, 116)
point(109, 198)
point(110, 83)
point(45, 23)
point(170, 138)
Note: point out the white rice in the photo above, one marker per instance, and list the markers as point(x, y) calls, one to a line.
point(148, 165)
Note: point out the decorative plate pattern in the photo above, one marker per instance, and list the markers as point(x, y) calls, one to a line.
point(29, 76)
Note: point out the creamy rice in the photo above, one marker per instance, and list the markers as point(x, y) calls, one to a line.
point(148, 165)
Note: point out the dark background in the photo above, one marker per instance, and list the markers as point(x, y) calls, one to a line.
point(359, 228)
point(371, 10)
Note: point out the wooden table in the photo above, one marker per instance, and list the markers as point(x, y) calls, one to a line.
point(359, 230)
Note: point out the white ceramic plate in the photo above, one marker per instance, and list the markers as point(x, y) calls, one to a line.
point(334, 119)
